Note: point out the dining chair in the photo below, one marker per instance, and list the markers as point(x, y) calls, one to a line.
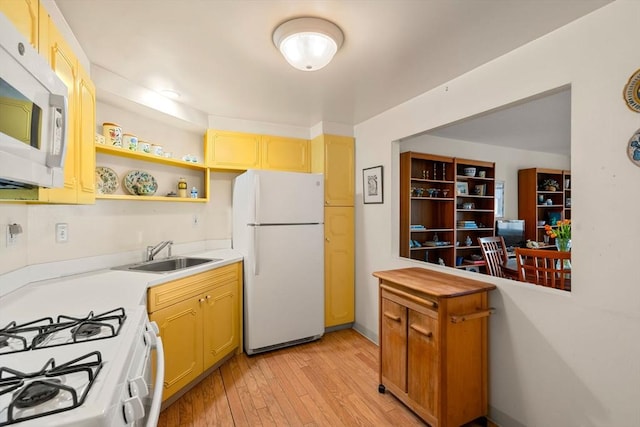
point(544, 267)
point(494, 252)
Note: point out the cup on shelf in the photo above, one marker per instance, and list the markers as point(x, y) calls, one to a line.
point(482, 174)
point(157, 149)
point(144, 147)
point(129, 142)
point(112, 134)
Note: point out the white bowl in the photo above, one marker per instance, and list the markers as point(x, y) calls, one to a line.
point(470, 171)
point(541, 223)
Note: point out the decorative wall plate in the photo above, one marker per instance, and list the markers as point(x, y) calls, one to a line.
point(633, 149)
point(631, 92)
point(106, 180)
point(140, 183)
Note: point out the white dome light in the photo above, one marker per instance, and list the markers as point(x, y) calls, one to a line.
point(308, 44)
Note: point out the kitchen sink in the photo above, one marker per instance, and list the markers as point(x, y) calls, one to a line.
point(166, 265)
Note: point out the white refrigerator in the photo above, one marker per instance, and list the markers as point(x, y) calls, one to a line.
point(278, 227)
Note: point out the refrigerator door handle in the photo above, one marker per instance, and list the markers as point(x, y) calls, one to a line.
point(256, 265)
point(256, 199)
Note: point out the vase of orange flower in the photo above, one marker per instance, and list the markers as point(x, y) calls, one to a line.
point(562, 233)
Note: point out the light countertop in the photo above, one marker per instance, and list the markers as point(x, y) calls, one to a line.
point(97, 291)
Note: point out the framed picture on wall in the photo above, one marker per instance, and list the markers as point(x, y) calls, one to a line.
point(372, 185)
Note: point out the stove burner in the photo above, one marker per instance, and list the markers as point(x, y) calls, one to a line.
point(86, 330)
point(4, 341)
point(50, 390)
point(36, 393)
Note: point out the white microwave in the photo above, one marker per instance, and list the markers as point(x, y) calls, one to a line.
point(33, 115)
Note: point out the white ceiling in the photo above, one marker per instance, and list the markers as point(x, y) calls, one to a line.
point(219, 53)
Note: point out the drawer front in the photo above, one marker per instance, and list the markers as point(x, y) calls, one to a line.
point(417, 302)
point(165, 295)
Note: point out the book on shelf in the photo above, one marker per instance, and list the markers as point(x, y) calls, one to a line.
point(470, 261)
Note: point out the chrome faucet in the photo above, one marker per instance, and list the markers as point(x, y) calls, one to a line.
point(152, 251)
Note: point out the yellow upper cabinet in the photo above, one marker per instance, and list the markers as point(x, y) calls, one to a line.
point(232, 150)
point(79, 163)
point(65, 64)
point(86, 125)
point(242, 151)
point(285, 154)
point(24, 15)
point(335, 157)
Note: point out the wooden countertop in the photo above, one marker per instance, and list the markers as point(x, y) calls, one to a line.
point(435, 283)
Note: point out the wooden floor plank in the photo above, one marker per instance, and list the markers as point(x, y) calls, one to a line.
point(329, 382)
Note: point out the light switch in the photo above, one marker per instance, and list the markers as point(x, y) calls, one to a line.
point(62, 232)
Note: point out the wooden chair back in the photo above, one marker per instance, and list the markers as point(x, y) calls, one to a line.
point(544, 267)
point(494, 252)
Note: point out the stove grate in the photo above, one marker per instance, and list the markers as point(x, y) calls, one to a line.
point(33, 391)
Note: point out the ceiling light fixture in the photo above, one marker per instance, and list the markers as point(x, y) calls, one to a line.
point(308, 44)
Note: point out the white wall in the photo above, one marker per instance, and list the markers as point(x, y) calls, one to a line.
point(556, 358)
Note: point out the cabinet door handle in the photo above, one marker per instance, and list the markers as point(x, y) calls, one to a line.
point(328, 240)
point(201, 300)
point(391, 316)
point(208, 297)
point(420, 330)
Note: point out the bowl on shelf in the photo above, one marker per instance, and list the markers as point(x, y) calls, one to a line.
point(469, 171)
point(541, 223)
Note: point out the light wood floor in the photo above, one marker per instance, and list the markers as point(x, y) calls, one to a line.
point(330, 382)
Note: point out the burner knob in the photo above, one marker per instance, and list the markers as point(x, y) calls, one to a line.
point(132, 409)
point(138, 387)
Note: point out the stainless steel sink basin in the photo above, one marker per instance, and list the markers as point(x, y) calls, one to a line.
point(166, 265)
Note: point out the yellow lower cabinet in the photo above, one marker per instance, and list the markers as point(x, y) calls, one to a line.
point(339, 266)
point(220, 314)
point(285, 154)
point(179, 326)
point(199, 321)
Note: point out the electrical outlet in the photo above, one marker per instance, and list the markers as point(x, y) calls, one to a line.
point(196, 220)
point(62, 232)
point(11, 238)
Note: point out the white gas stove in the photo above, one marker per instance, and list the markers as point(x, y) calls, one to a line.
point(64, 365)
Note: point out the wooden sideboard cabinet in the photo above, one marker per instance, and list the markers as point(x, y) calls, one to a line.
point(433, 343)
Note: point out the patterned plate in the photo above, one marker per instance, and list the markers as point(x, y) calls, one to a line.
point(140, 183)
point(633, 148)
point(106, 180)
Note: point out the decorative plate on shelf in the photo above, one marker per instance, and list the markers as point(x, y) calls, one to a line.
point(106, 180)
point(633, 148)
point(632, 92)
point(140, 183)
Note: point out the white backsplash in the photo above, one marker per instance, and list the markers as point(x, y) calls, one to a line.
point(50, 270)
